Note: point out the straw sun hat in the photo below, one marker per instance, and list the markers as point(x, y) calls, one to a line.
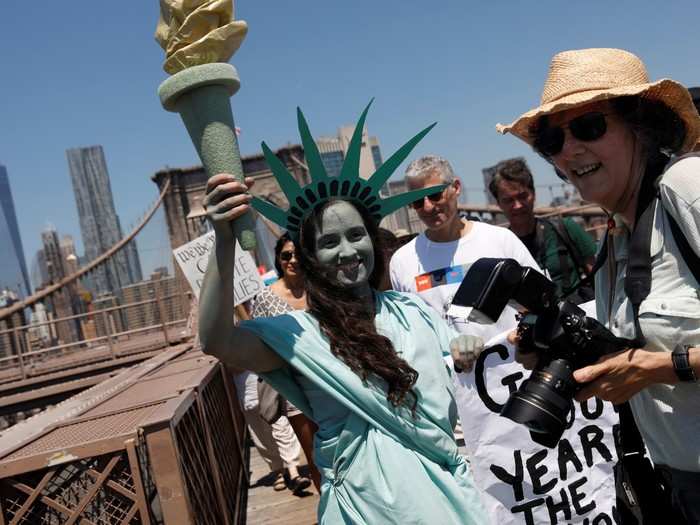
point(588, 75)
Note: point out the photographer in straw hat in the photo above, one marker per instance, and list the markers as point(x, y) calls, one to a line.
point(611, 132)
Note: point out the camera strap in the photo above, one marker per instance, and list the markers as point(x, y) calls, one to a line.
point(638, 275)
point(628, 440)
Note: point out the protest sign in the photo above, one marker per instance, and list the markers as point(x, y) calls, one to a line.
point(194, 256)
point(521, 481)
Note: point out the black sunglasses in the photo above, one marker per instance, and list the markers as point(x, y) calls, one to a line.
point(286, 256)
point(433, 197)
point(549, 140)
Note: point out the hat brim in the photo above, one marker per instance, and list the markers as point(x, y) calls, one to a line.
point(673, 94)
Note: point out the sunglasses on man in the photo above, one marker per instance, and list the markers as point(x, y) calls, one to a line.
point(433, 197)
point(286, 255)
point(549, 140)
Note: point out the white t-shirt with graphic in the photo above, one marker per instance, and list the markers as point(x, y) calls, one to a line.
point(434, 271)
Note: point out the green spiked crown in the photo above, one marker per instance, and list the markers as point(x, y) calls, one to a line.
point(347, 186)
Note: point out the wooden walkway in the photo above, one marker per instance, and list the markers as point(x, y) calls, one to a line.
point(269, 507)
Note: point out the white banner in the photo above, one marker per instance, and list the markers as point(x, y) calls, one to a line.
point(521, 481)
point(193, 258)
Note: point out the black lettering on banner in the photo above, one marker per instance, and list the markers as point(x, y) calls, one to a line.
point(577, 497)
point(515, 480)
point(511, 381)
point(571, 416)
point(526, 509)
point(562, 506)
point(602, 519)
point(480, 378)
point(202, 264)
point(592, 438)
point(538, 471)
point(597, 409)
point(567, 455)
point(242, 264)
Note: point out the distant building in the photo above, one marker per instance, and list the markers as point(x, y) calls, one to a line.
point(13, 267)
point(10, 341)
point(40, 330)
point(66, 301)
point(99, 223)
point(334, 149)
point(39, 272)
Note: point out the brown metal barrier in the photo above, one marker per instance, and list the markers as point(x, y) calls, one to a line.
point(160, 443)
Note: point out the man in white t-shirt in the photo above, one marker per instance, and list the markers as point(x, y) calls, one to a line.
point(433, 264)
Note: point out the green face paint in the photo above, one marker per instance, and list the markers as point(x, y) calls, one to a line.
point(343, 245)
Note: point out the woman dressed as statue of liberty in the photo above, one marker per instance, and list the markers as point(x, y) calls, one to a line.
point(366, 366)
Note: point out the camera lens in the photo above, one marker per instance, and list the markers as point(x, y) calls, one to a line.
point(542, 402)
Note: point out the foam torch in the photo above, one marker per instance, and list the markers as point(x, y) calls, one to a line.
point(199, 38)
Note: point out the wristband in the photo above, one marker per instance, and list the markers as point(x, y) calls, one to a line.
point(681, 364)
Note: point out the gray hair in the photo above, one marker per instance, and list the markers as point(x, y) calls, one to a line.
point(428, 165)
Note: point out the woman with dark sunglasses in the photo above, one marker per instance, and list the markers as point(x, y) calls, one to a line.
point(282, 296)
point(610, 132)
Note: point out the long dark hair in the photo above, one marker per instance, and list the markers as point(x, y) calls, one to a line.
point(658, 127)
point(349, 323)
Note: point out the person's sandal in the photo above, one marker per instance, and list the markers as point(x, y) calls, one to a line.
point(279, 484)
point(298, 484)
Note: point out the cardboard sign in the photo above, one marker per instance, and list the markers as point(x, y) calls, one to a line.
point(193, 258)
point(521, 481)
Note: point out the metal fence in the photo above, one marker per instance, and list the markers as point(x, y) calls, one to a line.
point(160, 443)
point(104, 335)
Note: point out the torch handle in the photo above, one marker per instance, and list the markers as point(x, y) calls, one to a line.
point(202, 97)
point(209, 120)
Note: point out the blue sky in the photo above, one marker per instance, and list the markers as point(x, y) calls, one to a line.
point(82, 72)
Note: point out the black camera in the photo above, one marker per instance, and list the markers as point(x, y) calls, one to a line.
point(559, 332)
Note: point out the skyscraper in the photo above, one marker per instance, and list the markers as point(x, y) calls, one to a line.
point(334, 149)
point(64, 302)
point(13, 267)
point(99, 223)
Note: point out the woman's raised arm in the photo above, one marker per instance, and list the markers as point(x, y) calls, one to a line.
point(225, 200)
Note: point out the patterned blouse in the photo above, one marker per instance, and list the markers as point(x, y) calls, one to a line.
point(268, 304)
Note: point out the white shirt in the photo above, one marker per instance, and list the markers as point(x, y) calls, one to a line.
point(434, 271)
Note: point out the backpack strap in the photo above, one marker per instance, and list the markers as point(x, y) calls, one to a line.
point(600, 259)
point(562, 233)
point(543, 225)
point(689, 256)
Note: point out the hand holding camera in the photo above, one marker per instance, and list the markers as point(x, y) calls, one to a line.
point(556, 335)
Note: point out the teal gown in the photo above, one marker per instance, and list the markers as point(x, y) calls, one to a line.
point(379, 464)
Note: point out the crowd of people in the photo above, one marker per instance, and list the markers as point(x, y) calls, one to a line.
point(360, 338)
